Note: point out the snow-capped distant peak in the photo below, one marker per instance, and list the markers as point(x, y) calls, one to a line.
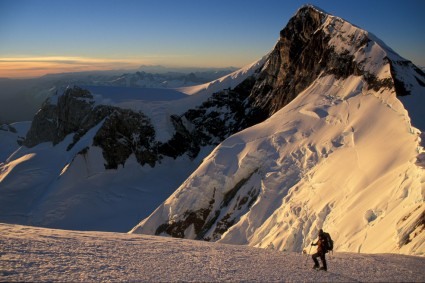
point(227, 82)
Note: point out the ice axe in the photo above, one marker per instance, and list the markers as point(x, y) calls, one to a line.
point(305, 264)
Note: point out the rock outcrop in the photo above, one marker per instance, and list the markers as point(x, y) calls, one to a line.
point(122, 132)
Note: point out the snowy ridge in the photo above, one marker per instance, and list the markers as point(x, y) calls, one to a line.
point(379, 59)
point(373, 53)
point(229, 81)
point(49, 186)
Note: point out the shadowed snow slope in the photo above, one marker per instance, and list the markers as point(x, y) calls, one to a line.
point(34, 254)
point(341, 156)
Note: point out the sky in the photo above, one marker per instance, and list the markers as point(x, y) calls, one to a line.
point(49, 36)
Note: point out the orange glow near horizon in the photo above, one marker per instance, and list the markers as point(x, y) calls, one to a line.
point(26, 67)
point(30, 67)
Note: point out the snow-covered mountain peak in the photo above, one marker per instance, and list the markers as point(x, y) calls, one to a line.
point(347, 38)
point(338, 151)
point(315, 44)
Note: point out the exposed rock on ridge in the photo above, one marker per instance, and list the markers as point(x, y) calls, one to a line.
point(306, 51)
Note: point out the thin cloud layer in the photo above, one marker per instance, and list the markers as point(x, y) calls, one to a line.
point(18, 67)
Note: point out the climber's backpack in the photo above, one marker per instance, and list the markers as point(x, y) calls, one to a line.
point(329, 243)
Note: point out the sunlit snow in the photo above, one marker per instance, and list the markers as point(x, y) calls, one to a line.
point(34, 254)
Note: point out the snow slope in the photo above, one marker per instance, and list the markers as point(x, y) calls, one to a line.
point(342, 156)
point(34, 254)
point(9, 136)
point(335, 158)
point(51, 187)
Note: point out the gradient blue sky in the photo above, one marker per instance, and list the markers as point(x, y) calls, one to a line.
point(45, 36)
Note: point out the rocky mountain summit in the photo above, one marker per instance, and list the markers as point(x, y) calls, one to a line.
point(314, 45)
point(278, 182)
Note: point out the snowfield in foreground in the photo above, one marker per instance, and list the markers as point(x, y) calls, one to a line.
point(39, 254)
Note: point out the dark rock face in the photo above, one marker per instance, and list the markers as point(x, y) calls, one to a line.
point(122, 133)
point(223, 114)
point(401, 88)
point(177, 229)
point(182, 141)
point(54, 122)
point(125, 132)
point(210, 223)
point(294, 63)
point(72, 110)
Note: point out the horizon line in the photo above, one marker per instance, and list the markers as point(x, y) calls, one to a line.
point(20, 67)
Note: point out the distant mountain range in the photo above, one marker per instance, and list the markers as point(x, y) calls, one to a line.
point(20, 99)
point(325, 131)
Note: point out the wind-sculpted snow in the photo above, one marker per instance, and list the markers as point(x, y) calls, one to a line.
point(42, 255)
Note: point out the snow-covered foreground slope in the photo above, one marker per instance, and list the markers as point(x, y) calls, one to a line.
point(36, 254)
